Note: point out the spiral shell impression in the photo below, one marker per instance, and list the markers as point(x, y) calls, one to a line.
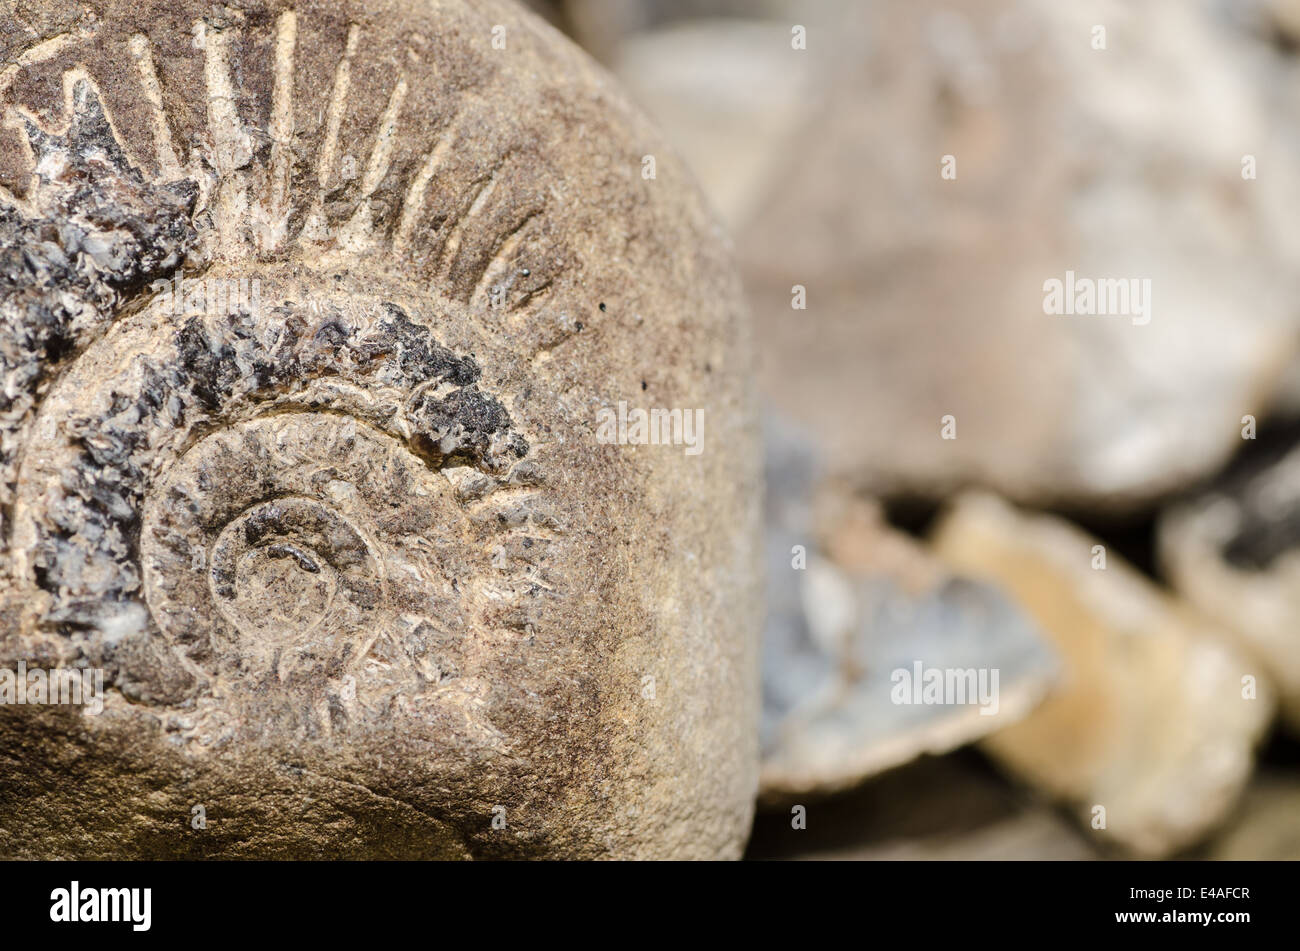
point(309, 310)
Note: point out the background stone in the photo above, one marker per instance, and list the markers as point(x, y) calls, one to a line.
point(1150, 722)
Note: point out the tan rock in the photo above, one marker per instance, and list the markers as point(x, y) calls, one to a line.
point(925, 295)
point(1265, 826)
point(732, 95)
point(1234, 553)
point(1152, 722)
point(310, 310)
point(1276, 19)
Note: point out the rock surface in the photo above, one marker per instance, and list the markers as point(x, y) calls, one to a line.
point(309, 311)
point(947, 808)
point(925, 295)
point(846, 630)
point(1152, 722)
point(733, 96)
point(1266, 826)
point(1234, 553)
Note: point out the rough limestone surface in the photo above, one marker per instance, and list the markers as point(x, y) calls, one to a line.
point(1153, 724)
point(308, 310)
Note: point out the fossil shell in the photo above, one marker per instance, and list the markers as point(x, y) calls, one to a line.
point(308, 311)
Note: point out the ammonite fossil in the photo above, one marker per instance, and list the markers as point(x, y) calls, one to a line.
point(309, 310)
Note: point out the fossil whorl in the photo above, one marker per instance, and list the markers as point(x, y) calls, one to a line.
point(308, 310)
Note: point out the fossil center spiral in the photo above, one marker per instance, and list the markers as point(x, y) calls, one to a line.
point(279, 565)
point(259, 522)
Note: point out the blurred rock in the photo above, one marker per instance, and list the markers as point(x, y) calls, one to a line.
point(1037, 835)
point(1286, 19)
point(845, 636)
point(1266, 826)
point(949, 808)
point(603, 27)
point(1278, 20)
point(1234, 553)
point(1150, 722)
point(925, 296)
point(735, 95)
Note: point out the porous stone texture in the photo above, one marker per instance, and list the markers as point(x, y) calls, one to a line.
point(854, 607)
point(1234, 553)
point(308, 311)
point(1154, 722)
